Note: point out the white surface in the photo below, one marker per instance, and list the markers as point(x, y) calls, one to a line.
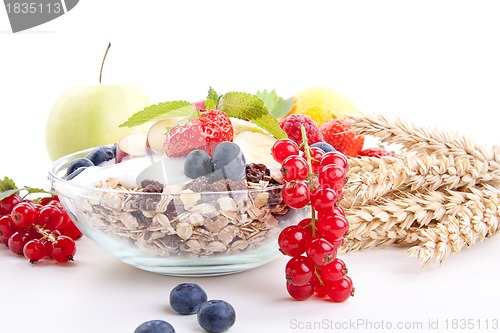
point(433, 62)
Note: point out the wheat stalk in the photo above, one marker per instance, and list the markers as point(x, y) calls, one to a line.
point(425, 139)
point(439, 196)
point(413, 172)
point(476, 220)
point(393, 236)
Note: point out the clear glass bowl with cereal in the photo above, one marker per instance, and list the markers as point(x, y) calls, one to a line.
point(171, 224)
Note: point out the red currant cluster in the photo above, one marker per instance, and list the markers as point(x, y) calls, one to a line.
point(37, 229)
point(316, 178)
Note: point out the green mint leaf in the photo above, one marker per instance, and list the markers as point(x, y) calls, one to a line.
point(270, 124)
point(210, 104)
point(7, 188)
point(212, 99)
point(212, 94)
point(161, 111)
point(7, 184)
point(8, 193)
point(277, 106)
point(247, 106)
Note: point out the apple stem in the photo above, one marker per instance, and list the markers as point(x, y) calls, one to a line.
point(103, 60)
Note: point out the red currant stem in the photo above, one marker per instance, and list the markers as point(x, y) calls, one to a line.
point(310, 176)
point(318, 276)
point(45, 235)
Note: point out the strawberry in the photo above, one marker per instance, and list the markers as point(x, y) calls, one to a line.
point(203, 132)
point(376, 152)
point(339, 134)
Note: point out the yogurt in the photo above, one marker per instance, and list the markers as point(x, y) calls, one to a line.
point(132, 171)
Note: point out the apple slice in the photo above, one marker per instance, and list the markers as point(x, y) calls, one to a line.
point(157, 134)
point(133, 145)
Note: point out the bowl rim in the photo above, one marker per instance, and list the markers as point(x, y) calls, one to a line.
point(56, 165)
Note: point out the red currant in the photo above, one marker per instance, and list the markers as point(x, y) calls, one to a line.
point(24, 214)
point(284, 148)
point(50, 217)
point(8, 203)
point(17, 240)
point(45, 201)
point(4, 240)
point(56, 203)
point(333, 271)
point(323, 199)
point(292, 240)
point(294, 168)
point(299, 270)
point(63, 249)
point(316, 155)
point(340, 290)
point(320, 251)
point(333, 227)
point(335, 157)
point(319, 289)
point(66, 220)
point(7, 226)
point(337, 243)
point(71, 230)
point(307, 225)
point(338, 210)
point(34, 250)
point(318, 178)
point(37, 207)
point(300, 293)
point(296, 194)
point(319, 285)
point(332, 176)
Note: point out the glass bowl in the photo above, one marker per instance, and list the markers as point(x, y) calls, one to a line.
point(178, 232)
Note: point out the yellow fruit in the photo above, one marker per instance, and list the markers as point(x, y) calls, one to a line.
point(240, 125)
point(322, 104)
point(256, 147)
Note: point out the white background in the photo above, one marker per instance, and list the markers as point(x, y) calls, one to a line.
point(433, 62)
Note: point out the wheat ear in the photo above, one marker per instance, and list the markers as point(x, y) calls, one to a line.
point(413, 172)
point(425, 139)
point(476, 219)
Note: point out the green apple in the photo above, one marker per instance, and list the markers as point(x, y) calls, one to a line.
point(88, 116)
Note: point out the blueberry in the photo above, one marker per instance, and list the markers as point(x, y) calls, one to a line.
point(113, 148)
point(82, 162)
point(228, 161)
point(100, 154)
point(197, 164)
point(155, 326)
point(75, 173)
point(216, 316)
point(326, 147)
point(186, 298)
